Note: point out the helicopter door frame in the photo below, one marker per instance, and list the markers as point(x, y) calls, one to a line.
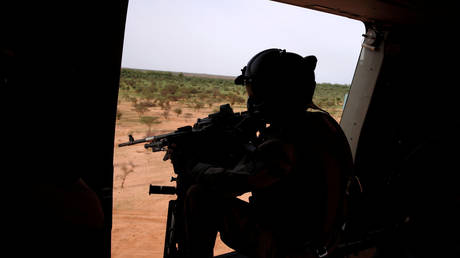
point(362, 87)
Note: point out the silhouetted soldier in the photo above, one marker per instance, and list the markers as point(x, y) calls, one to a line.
point(296, 172)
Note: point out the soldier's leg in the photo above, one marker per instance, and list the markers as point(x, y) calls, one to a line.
point(200, 222)
point(207, 212)
point(241, 231)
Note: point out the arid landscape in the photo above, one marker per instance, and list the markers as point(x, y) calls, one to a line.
point(150, 104)
point(139, 219)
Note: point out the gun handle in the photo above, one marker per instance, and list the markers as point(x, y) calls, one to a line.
point(159, 189)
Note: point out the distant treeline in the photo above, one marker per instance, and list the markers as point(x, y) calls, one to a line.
point(161, 88)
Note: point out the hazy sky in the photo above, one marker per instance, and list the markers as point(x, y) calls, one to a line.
point(220, 36)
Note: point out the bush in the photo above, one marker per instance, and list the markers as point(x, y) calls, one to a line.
point(140, 108)
point(198, 105)
point(164, 87)
point(178, 111)
point(149, 121)
point(165, 114)
point(187, 116)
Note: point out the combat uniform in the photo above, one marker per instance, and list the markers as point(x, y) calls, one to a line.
point(296, 175)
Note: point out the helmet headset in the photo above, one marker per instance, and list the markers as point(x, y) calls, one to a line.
point(280, 80)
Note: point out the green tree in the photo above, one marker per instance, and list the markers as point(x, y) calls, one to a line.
point(140, 108)
point(149, 121)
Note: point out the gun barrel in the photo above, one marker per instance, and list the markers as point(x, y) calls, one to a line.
point(132, 141)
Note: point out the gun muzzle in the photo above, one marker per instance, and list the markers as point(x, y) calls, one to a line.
point(132, 141)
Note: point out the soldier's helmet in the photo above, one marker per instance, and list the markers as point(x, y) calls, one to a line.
point(280, 78)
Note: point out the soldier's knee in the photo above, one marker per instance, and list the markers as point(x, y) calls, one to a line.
point(194, 192)
point(197, 197)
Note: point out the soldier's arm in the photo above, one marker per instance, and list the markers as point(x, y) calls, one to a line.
point(272, 161)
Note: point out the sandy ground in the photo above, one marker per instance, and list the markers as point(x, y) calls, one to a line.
point(139, 219)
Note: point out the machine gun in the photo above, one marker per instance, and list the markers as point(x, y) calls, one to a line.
point(224, 136)
point(222, 121)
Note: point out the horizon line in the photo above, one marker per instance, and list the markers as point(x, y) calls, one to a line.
point(190, 74)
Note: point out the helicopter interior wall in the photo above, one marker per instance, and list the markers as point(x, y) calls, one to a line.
point(404, 155)
point(60, 68)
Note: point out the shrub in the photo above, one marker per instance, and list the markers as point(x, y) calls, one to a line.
point(127, 169)
point(198, 105)
point(140, 108)
point(187, 116)
point(178, 111)
point(149, 121)
point(165, 113)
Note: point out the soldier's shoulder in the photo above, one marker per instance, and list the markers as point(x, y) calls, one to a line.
point(322, 121)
